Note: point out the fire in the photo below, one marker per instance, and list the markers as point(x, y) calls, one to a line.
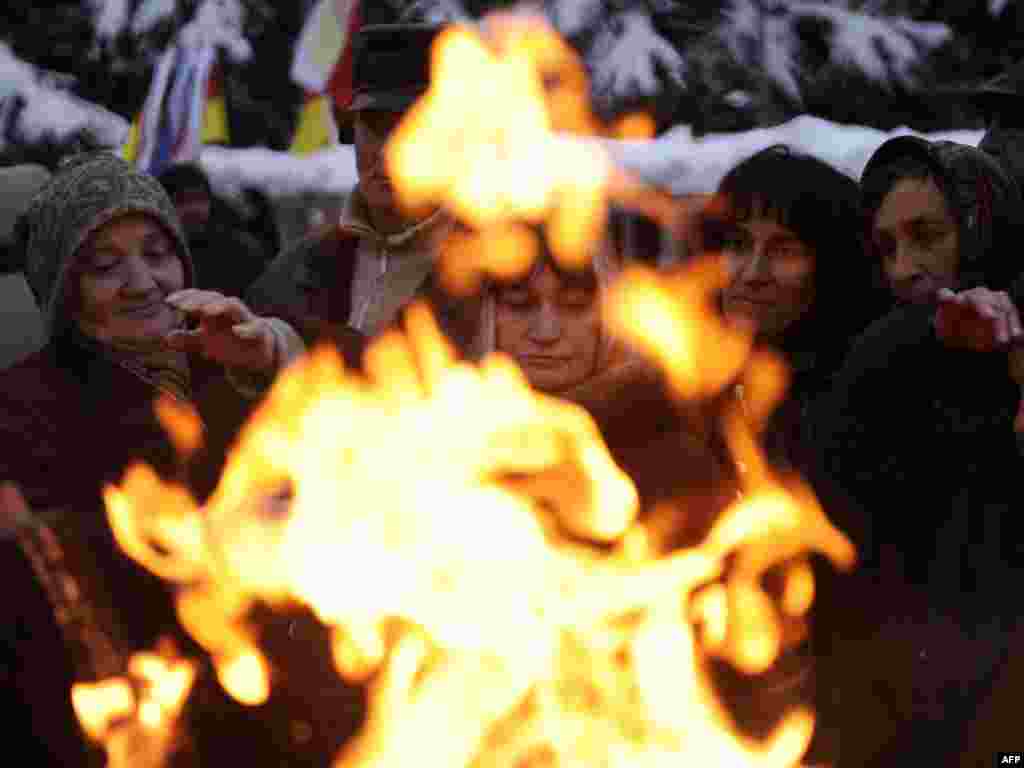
point(500, 136)
point(495, 607)
point(529, 615)
point(135, 716)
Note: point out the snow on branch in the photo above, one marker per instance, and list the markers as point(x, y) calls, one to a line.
point(882, 48)
point(218, 23)
point(628, 55)
point(765, 34)
point(573, 18)
point(34, 112)
point(435, 11)
point(110, 17)
point(150, 13)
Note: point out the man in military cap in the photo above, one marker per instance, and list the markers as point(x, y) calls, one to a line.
point(361, 270)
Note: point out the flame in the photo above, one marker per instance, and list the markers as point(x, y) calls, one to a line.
point(672, 318)
point(528, 615)
point(516, 153)
point(135, 716)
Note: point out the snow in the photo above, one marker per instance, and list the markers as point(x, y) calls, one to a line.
point(109, 17)
point(883, 48)
point(435, 11)
point(218, 23)
point(627, 54)
point(682, 164)
point(48, 113)
point(776, 57)
point(676, 161)
point(330, 172)
point(572, 18)
point(856, 39)
point(996, 7)
point(150, 13)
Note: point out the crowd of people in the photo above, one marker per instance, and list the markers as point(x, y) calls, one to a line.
point(893, 299)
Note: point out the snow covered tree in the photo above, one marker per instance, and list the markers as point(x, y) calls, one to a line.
point(757, 60)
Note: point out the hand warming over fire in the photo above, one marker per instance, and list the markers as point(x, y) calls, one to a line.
point(978, 319)
point(228, 332)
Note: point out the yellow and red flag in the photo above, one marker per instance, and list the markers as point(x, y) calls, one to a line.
point(322, 65)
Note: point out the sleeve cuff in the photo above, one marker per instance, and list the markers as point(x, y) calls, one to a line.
point(288, 347)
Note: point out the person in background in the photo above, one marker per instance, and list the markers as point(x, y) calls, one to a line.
point(917, 435)
point(1000, 101)
point(228, 259)
point(360, 270)
point(110, 268)
point(787, 229)
point(20, 326)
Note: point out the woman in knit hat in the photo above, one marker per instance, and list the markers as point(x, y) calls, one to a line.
point(105, 257)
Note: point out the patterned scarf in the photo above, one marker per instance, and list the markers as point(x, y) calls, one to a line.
point(149, 359)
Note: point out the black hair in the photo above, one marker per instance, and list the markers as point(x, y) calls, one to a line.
point(877, 184)
point(182, 177)
point(822, 207)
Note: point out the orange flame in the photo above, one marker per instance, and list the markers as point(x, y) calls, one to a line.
point(135, 717)
point(491, 140)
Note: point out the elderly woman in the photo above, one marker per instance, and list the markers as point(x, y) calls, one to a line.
point(105, 257)
point(918, 432)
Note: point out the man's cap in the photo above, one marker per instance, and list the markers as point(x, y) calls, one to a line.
point(391, 65)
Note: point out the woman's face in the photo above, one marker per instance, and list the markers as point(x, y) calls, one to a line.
point(771, 275)
point(125, 270)
point(551, 325)
point(916, 237)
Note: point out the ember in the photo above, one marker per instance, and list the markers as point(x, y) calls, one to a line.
point(527, 618)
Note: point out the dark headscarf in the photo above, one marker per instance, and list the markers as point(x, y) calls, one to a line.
point(982, 197)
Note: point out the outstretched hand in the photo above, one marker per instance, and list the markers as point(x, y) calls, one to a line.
point(228, 332)
point(978, 319)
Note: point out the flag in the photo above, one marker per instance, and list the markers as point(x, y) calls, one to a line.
point(322, 63)
point(316, 128)
point(184, 109)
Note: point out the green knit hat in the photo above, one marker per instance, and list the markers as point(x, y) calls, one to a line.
point(87, 192)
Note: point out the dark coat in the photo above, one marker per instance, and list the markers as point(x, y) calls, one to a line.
point(685, 481)
point(919, 465)
point(310, 286)
point(69, 423)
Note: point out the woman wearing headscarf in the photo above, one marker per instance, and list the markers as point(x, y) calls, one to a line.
point(104, 254)
point(918, 434)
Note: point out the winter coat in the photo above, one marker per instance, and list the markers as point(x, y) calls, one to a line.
point(68, 424)
point(685, 481)
point(919, 465)
point(348, 275)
